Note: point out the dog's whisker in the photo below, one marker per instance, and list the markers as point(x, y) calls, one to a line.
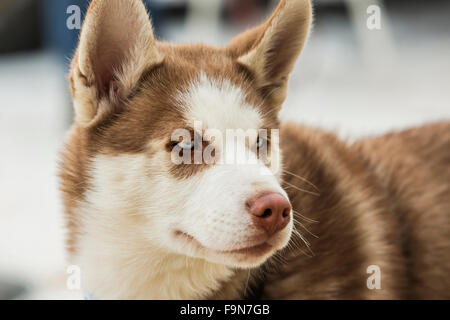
point(298, 247)
point(306, 229)
point(246, 283)
point(280, 260)
point(306, 242)
point(297, 233)
point(308, 245)
point(302, 190)
point(303, 179)
point(292, 245)
point(299, 215)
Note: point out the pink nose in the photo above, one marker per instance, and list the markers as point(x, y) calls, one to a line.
point(271, 212)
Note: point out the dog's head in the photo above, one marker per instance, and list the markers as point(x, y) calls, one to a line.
point(154, 124)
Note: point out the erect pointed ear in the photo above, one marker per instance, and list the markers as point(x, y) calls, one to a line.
point(116, 46)
point(269, 51)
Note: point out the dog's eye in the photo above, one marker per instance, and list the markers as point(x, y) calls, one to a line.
point(186, 145)
point(182, 145)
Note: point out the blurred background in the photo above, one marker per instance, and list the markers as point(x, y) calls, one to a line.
point(350, 79)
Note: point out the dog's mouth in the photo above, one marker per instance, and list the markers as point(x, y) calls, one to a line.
point(255, 250)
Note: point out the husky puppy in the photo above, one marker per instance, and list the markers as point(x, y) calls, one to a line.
point(318, 219)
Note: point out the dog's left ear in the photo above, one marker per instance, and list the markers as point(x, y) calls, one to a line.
point(116, 46)
point(269, 51)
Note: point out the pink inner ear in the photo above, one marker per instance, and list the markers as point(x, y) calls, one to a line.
point(107, 64)
point(113, 48)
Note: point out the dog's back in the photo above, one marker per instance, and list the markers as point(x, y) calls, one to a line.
point(384, 203)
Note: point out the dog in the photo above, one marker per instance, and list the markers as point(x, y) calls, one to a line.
point(317, 218)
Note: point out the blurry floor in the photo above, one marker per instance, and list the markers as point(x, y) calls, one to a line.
point(332, 87)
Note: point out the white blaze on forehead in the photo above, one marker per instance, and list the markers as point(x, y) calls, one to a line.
point(218, 104)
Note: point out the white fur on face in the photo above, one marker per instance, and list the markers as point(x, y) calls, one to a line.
point(122, 249)
point(149, 232)
point(219, 105)
point(215, 213)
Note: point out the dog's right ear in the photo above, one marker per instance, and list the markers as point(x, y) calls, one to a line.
point(269, 51)
point(116, 46)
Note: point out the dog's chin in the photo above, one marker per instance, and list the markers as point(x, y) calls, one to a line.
point(250, 256)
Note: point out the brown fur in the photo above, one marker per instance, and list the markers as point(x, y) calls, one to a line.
point(382, 201)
